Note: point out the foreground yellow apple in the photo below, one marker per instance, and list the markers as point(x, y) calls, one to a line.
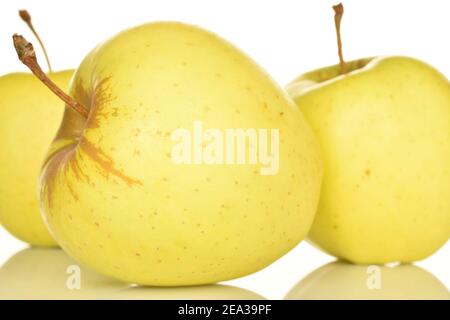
point(384, 129)
point(126, 192)
point(29, 118)
point(341, 281)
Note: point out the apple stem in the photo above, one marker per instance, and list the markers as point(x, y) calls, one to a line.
point(27, 55)
point(338, 13)
point(26, 17)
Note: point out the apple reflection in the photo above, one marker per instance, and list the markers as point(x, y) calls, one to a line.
point(38, 273)
point(208, 292)
point(339, 281)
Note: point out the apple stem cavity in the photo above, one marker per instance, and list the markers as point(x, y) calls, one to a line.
point(338, 13)
point(27, 55)
point(26, 17)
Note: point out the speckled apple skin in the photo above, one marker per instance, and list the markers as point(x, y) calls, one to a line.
point(384, 129)
point(116, 201)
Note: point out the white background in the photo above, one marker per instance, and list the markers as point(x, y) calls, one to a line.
point(286, 38)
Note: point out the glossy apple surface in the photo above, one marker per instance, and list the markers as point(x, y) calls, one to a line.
point(29, 118)
point(115, 199)
point(384, 129)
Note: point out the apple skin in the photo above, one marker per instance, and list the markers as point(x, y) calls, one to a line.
point(384, 130)
point(29, 118)
point(342, 281)
point(116, 201)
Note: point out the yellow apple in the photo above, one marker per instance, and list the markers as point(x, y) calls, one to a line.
point(118, 199)
point(384, 129)
point(342, 281)
point(29, 118)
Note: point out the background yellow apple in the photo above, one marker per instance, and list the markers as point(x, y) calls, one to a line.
point(384, 129)
point(29, 118)
point(115, 199)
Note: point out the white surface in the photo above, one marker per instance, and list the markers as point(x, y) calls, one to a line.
point(274, 282)
point(287, 38)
